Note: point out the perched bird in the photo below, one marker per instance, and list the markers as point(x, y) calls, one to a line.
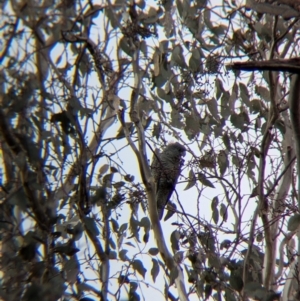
point(166, 168)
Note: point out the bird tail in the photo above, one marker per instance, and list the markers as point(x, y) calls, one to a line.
point(160, 212)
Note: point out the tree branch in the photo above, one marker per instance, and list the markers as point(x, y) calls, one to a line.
point(284, 65)
point(39, 212)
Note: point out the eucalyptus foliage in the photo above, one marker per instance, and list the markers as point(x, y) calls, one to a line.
point(89, 91)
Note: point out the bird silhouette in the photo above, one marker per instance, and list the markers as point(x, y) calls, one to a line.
point(166, 167)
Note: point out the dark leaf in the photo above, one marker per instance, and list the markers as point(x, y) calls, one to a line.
point(244, 94)
point(113, 169)
point(223, 162)
point(175, 235)
point(223, 212)
point(263, 92)
point(134, 227)
point(254, 192)
point(118, 185)
point(107, 180)
point(213, 108)
point(155, 269)
point(225, 108)
point(146, 237)
point(123, 256)
point(171, 210)
point(125, 46)
point(226, 141)
point(123, 228)
point(207, 240)
point(237, 120)
point(134, 296)
point(219, 88)
point(156, 130)
point(123, 279)
point(115, 225)
point(192, 125)
point(129, 178)
point(112, 255)
point(128, 243)
point(191, 180)
point(215, 215)
point(76, 230)
point(145, 223)
point(67, 249)
point(225, 244)
point(255, 106)
point(177, 57)
point(202, 178)
point(195, 63)
point(153, 251)
point(112, 243)
point(133, 286)
point(139, 267)
point(91, 226)
point(214, 203)
point(99, 197)
point(103, 169)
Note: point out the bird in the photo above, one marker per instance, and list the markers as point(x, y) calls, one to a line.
point(166, 167)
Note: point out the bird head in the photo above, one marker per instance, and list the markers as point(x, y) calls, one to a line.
point(177, 149)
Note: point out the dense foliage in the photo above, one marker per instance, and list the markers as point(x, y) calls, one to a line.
point(89, 90)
